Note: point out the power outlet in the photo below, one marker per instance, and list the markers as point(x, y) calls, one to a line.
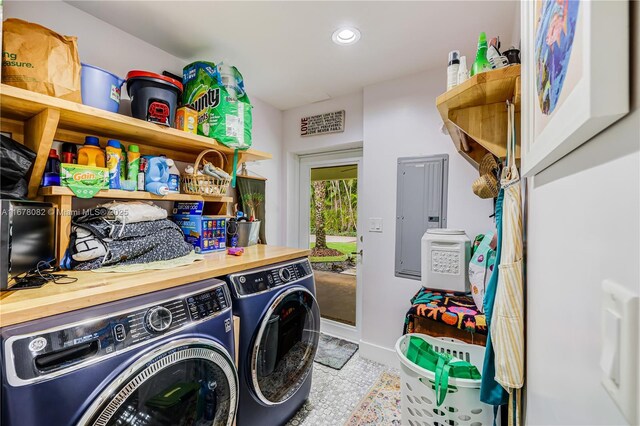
point(375, 224)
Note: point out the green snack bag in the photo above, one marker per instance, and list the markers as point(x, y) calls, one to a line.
point(217, 93)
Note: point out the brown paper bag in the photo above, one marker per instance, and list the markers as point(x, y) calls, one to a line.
point(38, 59)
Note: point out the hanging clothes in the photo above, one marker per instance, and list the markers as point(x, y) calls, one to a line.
point(507, 322)
point(491, 392)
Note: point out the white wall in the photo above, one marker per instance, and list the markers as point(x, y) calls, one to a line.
point(103, 45)
point(401, 120)
point(267, 136)
point(583, 227)
point(99, 43)
point(393, 119)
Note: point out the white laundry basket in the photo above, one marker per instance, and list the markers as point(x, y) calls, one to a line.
point(462, 405)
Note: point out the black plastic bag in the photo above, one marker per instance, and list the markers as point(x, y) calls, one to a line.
point(15, 162)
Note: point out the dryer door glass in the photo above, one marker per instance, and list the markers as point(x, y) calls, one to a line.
point(285, 346)
point(189, 384)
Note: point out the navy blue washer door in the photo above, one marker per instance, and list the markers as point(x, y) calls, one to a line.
point(185, 382)
point(285, 346)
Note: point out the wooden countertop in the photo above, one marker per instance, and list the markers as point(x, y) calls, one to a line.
point(96, 288)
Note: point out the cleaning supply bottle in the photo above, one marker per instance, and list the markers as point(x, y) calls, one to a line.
point(452, 69)
point(157, 176)
point(142, 172)
point(69, 153)
point(114, 163)
point(133, 163)
point(174, 177)
point(51, 175)
point(463, 72)
point(481, 63)
point(90, 153)
point(123, 163)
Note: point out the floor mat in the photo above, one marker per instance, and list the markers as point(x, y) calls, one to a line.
point(334, 352)
point(381, 405)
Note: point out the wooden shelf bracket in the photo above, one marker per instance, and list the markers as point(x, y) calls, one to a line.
point(39, 132)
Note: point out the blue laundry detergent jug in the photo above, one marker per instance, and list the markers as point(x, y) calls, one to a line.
point(157, 176)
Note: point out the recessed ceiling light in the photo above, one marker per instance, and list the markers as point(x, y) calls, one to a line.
point(346, 35)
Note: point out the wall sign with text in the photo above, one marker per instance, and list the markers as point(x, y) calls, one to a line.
point(331, 122)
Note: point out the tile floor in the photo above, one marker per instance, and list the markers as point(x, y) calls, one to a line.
point(335, 393)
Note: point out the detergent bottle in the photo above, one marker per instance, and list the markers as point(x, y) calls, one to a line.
point(90, 153)
point(133, 163)
point(174, 177)
point(114, 163)
point(157, 176)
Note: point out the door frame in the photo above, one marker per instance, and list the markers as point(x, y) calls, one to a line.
point(329, 159)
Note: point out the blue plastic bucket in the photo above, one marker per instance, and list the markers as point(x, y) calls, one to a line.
point(100, 88)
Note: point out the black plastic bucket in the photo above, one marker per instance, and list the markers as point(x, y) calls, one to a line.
point(154, 97)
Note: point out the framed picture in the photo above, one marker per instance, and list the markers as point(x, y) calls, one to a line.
point(575, 75)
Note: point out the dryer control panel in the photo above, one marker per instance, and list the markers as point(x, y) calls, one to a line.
point(43, 354)
point(260, 280)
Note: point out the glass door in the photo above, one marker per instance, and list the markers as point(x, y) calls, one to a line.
point(329, 226)
point(186, 383)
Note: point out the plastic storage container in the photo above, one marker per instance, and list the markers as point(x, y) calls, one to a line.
point(445, 260)
point(100, 88)
point(462, 405)
point(154, 97)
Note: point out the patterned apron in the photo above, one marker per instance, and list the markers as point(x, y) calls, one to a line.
point(507, 331)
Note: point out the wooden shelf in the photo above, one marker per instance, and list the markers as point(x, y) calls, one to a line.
point(118, 194)
point(36, 120)
point(475, 113)
point(19, 104)
point(94, 288)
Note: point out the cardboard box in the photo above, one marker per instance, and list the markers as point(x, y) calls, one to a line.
point(84, 181)
point(187, 120)
point(205, 233)
point(188, 207)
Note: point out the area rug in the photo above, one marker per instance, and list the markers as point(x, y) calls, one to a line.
point(334, 352)
point(381, 405)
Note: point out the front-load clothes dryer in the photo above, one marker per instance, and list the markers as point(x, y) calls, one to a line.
point(161, 359)
point(279, 332)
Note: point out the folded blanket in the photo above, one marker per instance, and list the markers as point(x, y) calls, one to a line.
point(134, 211)
point(98, 240)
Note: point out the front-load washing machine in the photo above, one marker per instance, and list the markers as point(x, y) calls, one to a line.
point(279, 332)
point(161, 359)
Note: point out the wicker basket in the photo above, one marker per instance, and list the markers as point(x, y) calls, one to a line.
point(201, 184)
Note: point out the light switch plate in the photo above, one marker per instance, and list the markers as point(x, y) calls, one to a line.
point(375, 224)
point(619, 357)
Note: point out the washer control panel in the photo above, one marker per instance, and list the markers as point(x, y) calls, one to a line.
point(40, 354)
point(260, 280)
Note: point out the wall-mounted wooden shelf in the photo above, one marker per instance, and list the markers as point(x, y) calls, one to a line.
point(118, 194)
point(37, 120)
point(475, 113)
